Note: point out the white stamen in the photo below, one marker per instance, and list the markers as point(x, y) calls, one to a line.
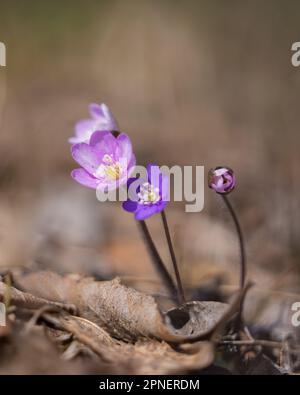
point(148, 194)
point(109, 169)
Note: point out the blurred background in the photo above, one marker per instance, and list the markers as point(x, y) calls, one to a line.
point(193, 83)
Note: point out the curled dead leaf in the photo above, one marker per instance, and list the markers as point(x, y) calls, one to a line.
point(143, 357)
point(124, 312)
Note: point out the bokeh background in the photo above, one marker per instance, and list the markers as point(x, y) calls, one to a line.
point(193, 83)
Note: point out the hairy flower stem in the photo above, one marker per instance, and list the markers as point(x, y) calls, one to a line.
point(157, 261)
point(241, 240)
point(180, 292)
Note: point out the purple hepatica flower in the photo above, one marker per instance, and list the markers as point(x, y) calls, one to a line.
point(150, 195)
point(222, 180)
point(101, 120)
point(106, 162)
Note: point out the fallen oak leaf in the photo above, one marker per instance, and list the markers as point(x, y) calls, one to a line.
point(143, 357)
point(124, 312)
point(201, 316)
point(34, 353)
point(216, 327)
point(121, 311)
point(153, 357)
point(25, 299)
point(87, 332)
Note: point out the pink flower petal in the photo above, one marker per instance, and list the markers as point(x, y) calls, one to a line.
point(97, 137)
point(103, 116)
point(85, 127)
point(125, 146)
point(84, 178)
point(86, 157)
point(106, 144)
point(96, 110)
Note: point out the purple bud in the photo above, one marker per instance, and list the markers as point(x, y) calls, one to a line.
point(221, 179)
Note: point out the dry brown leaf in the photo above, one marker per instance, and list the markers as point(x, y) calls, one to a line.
point(32, 353)
point(124, 312)
point(25, 299)
point(143, 357)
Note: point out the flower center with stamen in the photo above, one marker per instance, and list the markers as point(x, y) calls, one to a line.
point(109, 169)
point(148, 194)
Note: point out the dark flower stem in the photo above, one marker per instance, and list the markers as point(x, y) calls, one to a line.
point(180, 292)
point(241, 240)
point(157, 261)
